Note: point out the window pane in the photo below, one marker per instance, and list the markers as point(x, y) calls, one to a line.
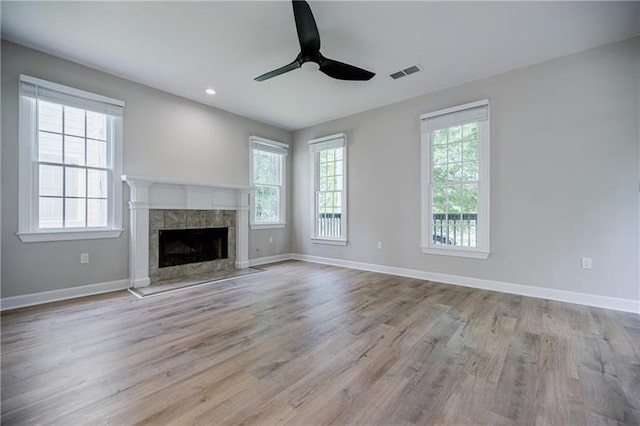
point(338, 181)
point(257, 166)
point(73, 150)
point(440, 136)
point(470, 198)
point(470, 132)
point(455, 134)
point(74, 121)
point(96, 125)
point(322, 199)
point(266, 167)
point(74, 212)
point(470, 171)
point(440, 173)
point(339, 153)
point(331, 154)
point(75, 182)
point(50, 180)
point(454, 172)
point(439, 154)
point(97, 183)
point(267, 200)
point(329, 198)
point(331, 168)
point(453, 199)
point(97, 212)
point(439, 199)
point(96, 153)
point(50, 147)
point(323, 170)
point(338, 168)
point(49, 117)
point(454, 152)
point(323, 184)
point(323, 156)
point(470, 151)
point(50, 212)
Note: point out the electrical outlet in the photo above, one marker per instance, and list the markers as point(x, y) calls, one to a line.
point(84, 258)
point(270, 239)
point(379, 245)
point(586, 263)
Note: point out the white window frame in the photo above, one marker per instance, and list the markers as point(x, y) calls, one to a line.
point(315, 146)
point(268, 145)
point(28, 225)
point(482, 250)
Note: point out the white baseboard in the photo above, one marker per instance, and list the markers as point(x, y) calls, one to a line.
point(62, 294)
point(270, 259)
point(618, 304)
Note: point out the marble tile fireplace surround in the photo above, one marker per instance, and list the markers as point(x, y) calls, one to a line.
point(164, 205)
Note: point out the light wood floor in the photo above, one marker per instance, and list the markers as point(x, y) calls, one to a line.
point(307, 344)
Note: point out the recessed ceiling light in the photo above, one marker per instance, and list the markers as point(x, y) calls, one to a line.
point(210, 92)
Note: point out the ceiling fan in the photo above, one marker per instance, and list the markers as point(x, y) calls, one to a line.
point(310, 56)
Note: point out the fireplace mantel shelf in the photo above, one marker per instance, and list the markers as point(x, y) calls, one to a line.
point(150, 193)
point(139, 180)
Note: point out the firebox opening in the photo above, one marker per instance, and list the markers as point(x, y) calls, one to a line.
point(183, 246)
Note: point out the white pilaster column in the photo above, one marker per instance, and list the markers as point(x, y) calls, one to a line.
point(242, 230)
point(139, 234)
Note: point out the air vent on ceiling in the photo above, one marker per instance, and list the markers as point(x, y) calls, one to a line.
point(405, 72)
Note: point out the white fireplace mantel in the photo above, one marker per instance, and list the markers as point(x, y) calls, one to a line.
point(149, 193)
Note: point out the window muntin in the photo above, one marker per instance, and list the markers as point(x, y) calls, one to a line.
point(329, 193)
point(454, 188)
point(456, 173)
point(268, 180)
point(69, 159)
point(328, 159)
point(72, 162)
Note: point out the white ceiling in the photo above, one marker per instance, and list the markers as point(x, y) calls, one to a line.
point(183, 48)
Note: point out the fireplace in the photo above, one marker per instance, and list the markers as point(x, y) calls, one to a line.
point(184, 246)
point(159, 205)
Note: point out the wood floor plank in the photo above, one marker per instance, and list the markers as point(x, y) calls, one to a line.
point(306, 344)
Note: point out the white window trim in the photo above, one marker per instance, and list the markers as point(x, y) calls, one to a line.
point(256, 142)
point(312, 159)
point(28, 230)
point(484, 187)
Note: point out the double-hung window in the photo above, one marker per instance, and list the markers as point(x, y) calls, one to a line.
point(455, 176)
point(69, 163)
point(268, 180)
point(329, 183)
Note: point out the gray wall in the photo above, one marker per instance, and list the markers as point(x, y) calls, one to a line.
point(165, 136)
point(565, 138)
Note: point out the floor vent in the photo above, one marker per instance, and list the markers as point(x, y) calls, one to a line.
point(405, 72)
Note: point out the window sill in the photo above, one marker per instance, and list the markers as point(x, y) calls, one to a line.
point(472, 254)
point(33, 237)
point(329, 241)
point(268, 226)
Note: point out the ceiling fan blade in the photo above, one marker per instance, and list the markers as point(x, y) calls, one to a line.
point(292, 66)
point(342, 71)
point(305, 24)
